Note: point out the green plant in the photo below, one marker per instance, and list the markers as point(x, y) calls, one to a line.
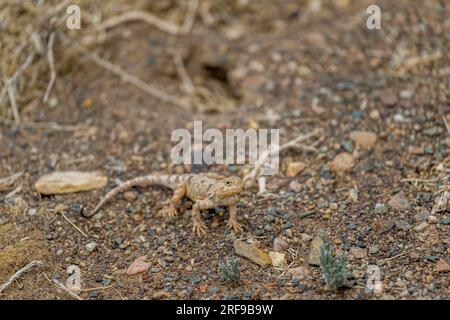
point(230, 271)
point(332, 266)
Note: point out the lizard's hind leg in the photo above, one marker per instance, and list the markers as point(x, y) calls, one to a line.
point(171, 209)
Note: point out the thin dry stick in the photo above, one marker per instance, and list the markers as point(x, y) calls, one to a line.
point(51, 63)
point(149, 18)
point(98, 288)
point(67, 290)
point(74, 225)
point(190, 17)
point(16, 275)
point(12, 99)
point(155, 92)
point(250, 177)
point(15, 76)
point(182, 73)
point(43, 125)
point(446, 124)
point(170, 28)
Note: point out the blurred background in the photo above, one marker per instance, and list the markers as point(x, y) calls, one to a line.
point(108, 95)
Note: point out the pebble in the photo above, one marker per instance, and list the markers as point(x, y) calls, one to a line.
point(433, 219)
point(421, 227)
point(402, 225)
point(358, 253)
point(298, 273)
point(195, 280)
point(381, 208)
point(32, 211)
point(252, 253)
point(342, 163)
point(129, 196)
point(280, 245)
point(365, 139)
point(138, 266)
point(314, 251)
point(295, 186)
point(278, 258)
point(442, 266)
point(94, 294)
point(91, 246)
point(294, 168)
point(61, 182)
point(373, 249)
point(399, 202)
point(389, 98)
point(446, 221)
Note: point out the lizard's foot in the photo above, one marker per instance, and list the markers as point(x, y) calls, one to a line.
point(199, 228)
point(236, 226)
point(169, 211)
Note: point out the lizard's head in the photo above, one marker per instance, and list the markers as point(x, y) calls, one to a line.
point(228, 187)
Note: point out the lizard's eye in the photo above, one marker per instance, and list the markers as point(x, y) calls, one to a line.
point(227, 183)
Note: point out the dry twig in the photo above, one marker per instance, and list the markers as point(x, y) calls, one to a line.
point(51, 63)
point(251, 177)
point(16, 275)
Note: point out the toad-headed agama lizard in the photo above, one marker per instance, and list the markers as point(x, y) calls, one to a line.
point(206, 190)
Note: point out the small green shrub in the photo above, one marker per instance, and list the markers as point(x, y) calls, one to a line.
point(230, 271)
point(332, 266)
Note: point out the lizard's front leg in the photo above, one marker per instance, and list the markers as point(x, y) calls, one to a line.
point(199, 227)
point(232, 221)
point(178, 194)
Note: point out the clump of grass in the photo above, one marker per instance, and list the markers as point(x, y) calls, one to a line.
point(230, 271)
point(333, 267)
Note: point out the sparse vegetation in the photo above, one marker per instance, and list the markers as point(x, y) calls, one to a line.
point(333, 267)
point(230, 271)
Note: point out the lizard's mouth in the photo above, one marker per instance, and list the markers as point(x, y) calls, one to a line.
point(230, 192)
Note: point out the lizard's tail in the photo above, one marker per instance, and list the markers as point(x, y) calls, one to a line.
point(136, 182)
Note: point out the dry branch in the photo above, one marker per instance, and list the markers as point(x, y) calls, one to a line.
point(168, 27)
point(16, 275)
point(250, 178)
point(51, 63)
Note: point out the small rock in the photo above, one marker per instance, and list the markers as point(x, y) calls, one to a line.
point(433, 219)
point(129, 196)
point(280, 245)
point(299, 273)
point(314, 251)
point(161, 294)
point(365, 139)
point(306, 237)
point(389, 98)
point(60, 182)
point(402, 225)
point(358, 253)
point(90, 247)
point(446, 221)
point(278, 258)
point(373, 249)
point(252, 253)
point(295, 186)
point(381, 208)
point(399, 202)
point(139, 265)
point(294, 168)
point(414, 256)
point(343, 162)
point(32, 211)
point(421, 227)
point(442, 266)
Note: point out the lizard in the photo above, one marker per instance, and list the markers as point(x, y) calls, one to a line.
point(206, 190)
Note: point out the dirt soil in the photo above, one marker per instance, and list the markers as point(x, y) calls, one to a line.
point(275, 65)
